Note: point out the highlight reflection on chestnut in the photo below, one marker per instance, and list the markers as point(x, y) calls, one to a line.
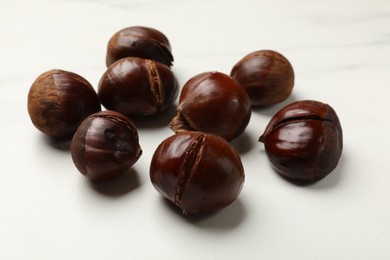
point(197, 171)
point(304, 141)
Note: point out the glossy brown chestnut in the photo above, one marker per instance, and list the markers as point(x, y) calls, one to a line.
point(58, 101)
point(267, 76)
point(105, 145)
point(304, 141)
point(139, 41)
point(215, 103)
point(197, 171)
point(135, 86)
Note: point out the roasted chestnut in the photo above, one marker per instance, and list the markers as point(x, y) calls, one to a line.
point(58, 101)
point(215, 103)
point(139, 41)
point(105, 145)
point(197, 171)
point(304, 141)
point(135, 86)
point(267, 76)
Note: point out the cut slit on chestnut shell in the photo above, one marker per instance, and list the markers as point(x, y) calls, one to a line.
point(197, 171)
point(304, 141)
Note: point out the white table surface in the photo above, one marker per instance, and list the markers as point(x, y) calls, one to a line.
point(340, 51)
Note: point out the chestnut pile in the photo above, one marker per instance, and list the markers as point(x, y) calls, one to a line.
point(196, 168)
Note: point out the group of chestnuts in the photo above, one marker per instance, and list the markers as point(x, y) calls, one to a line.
point(196, 168)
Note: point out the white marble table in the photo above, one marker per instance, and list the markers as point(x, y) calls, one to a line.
point(340, 51)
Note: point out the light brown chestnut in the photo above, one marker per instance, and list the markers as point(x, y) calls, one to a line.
point(267, 76)
point(105, 145)
point(215, 103)
point(304, 141)
point(139, 41)
point(197, 171)
point(58, 101)
point(135, 86)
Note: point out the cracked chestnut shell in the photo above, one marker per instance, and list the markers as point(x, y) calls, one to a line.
point(135, 86)
point(139, 41)
point(215, 103)
point(197, 171)
point(58, 101)
point(267, 76)
point(105, 145)
point(304, 141)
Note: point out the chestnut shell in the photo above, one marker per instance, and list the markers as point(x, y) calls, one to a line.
point(135, 86)
point(58, 101)
point(139, 41)
point(215, 103)
point(197, 171)
point(105, 145)
point(304, 141)
point(267, 76)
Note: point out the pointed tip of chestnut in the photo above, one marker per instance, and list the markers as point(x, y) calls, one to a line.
point(261, 138)
point(179, 124)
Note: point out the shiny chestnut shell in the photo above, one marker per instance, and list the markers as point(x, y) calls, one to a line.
point(105, 145)
point(135, 86)
point(58, 101)
point(267, 76)
point(197, 171)
point(139, 41)
point(215, 103)
point(304, 141)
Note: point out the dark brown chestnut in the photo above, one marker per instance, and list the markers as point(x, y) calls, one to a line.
point(139, 41)
point(267, 76)
point(215, 103)
point(135, 86)
point(304, 141)
point(58, 101)
point(105, 145)
point(197, 171)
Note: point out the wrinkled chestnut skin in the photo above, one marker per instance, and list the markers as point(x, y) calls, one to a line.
point(105, 145)
point(135, 86)
point(215, 103)
point(139, 41)
point(304, 141)
point(58, 101)
point(197, 171)
point(267, 76)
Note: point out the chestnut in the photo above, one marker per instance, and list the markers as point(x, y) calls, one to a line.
point(139, 41)
point(215, 103)
point(135, 86)
point(304, 141)
point(58, 101)
point(267, 76)
point(197, 171)
point(105, 145)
